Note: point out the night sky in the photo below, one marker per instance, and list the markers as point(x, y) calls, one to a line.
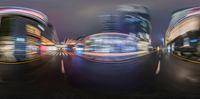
point(75, 18)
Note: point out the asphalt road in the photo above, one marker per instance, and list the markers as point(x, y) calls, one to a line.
point(134, 75)
point(178, 76)
point(30, 78)
point(63, 75)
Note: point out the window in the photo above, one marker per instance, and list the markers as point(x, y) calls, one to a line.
point(33, 30)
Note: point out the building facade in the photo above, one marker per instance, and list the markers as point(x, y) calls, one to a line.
point(132, 20)
point(183, 34)
point(124, 35)
point(22, 33)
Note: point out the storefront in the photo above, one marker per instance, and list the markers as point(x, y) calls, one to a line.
point(21, 30)
point(183, 36)
point(111, 47)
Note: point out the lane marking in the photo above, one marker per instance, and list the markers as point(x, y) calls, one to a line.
point(158, 68)
point(28, 61)
point(66, 54)
point(62, 66)
point(71, 54)
point(185, 59)
point(55, 54)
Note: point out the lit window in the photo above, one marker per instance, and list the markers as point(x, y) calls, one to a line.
point(33, 30)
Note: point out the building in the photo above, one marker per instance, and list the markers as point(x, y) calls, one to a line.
point(22, 33)
point(110, 43)
point(124, 35)
point(110, 23)
point(183, 34)
point(133, 20)
point(129, 19)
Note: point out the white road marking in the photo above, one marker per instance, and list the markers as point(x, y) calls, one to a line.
point(52, 53)
point(72, 54)
point(65, 54)
point(62, 66)
point(158, 68)
point(61, 53)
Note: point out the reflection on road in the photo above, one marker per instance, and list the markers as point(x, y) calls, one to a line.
point(135, 74)
point(179, 76)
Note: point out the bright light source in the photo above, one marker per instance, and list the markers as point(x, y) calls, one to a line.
point(41, 27)
point(20, 39)
point(194, 40)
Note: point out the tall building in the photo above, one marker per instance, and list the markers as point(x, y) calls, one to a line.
point(22, 33)
point(124, 35)
point(110, 23)
point(135, 20)
point(129, 19)
point(132, 20)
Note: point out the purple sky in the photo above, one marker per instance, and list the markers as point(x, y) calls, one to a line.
point(74, 18)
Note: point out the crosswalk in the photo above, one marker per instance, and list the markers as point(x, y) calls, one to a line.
point(64, 53)
point(71, 53)
point(55, 53)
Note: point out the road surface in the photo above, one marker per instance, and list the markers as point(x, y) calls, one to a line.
point(61, 75)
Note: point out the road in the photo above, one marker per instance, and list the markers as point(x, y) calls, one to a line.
point(178, 76)
point(129, 76)
point(39, 76)
point(62, 75)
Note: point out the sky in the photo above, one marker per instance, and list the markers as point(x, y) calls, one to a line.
point(75, 18)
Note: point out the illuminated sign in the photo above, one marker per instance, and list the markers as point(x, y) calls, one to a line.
point(195, 9)
point(191, 24)
point(194, 40)
point(186, 41)
point(30, 12)
point(45, 41)
point(33, 30)
point(20, 39)
point(42, 28)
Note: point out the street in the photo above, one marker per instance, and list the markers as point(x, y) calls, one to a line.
point(63, 74)
point(178, 76)
point(128, 76)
